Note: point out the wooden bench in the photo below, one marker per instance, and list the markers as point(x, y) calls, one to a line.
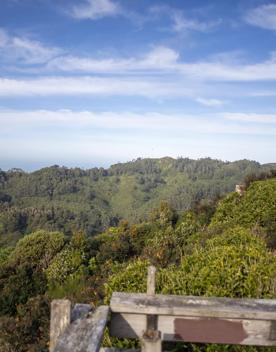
point(155, 318)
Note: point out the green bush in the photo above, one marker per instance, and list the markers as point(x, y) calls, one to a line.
point(256, 207)
point(233, 264)
point(132, 278)
point(4, 254)
point(37, 249)
point(65, 263)
point(167, 245)
point(22, 274)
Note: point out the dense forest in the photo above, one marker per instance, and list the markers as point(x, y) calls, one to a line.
point(70, 200)
point(220, 248)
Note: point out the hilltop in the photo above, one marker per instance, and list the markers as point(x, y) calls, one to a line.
point(69, 200)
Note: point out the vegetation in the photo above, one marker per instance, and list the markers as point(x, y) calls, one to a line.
point(224, 248)
point(73, 200)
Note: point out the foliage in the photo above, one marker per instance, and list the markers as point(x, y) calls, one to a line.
point(4, 254)
point(37, 248)
point(65, 263)
point(71, 200)
point(233, 264)
point(256, 207)
point(29, 331)
point(22, 275)
point(168, 244)
point(133, 278)
point(203, 251)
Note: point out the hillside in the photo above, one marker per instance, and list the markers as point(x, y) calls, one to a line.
point(70, 200)
point(224, 250)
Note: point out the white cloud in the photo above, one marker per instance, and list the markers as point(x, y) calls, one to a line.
point(225, 123)
point(95, 9)
point(257, 118)
point(95, 86)
point(263, 16)
point(166, 60)
point(182, 23)
point(159, 58)
point(263, 93)
point(19, 49)
point(210, 102)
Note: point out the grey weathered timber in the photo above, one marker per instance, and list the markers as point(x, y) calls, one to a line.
point(151, 280)
point(151, 337)
point(140, 303)
point(151, 345)
point(196, 319)
point(113, 349)
point(192, 329)
point(84, 335)
point(80, 311)
point(60, 319)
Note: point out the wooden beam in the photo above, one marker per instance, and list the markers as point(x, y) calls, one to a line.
point(196, 319)
point(80, 311)
point(196, 329)
point(113, 349)
point(60, 319)
point(84, 335)
point(211, 307)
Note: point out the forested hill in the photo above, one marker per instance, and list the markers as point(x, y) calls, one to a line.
point(225, 251)
point(69, 200)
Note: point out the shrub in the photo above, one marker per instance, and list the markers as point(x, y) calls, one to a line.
point(234, 264)
point(38, 248)
point(65, 263)
point(256, 206)
point(132, 278)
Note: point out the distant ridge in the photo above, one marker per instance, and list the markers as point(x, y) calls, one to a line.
point(75, 199)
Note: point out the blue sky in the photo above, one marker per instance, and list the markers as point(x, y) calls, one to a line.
point(92, 82)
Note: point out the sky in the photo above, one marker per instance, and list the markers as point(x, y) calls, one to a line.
point(93, 82)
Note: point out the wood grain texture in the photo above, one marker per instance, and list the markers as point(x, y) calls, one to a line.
point(140, 303)
point(84, 335)
point(80, 311)
point(194, 329)
point(151, 280)
point(196, 319)
point(60, 319)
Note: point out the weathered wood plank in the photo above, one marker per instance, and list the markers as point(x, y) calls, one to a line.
point(140, 303)
point(60, 319)
point(80, 311)
point(196, 329)
point(151, 338)
point(151, 345)
point(84, 335)
point(113, 349)
point(151, 280)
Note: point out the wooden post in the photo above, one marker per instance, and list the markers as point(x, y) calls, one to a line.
point(240, 189)
point(151, 280)
point(60, 319)
point(151, 340)
point(84, 334)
